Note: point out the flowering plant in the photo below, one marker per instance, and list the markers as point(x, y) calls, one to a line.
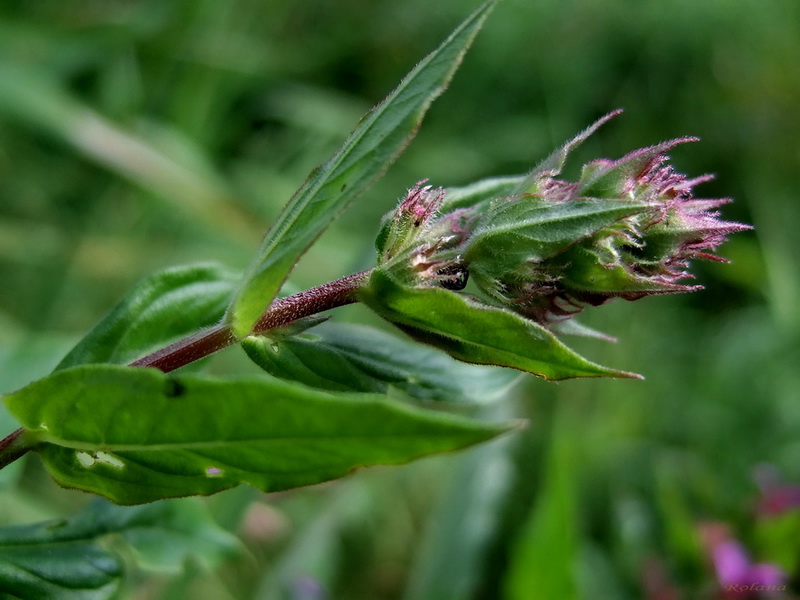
point(492, 274)
point(542, 248)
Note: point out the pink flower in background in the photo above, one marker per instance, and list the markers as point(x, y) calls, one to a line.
point(737, 575)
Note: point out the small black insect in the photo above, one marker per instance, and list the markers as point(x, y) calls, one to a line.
point(454, 277)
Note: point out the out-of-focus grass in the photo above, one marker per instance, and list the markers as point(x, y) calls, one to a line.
point(135, 135)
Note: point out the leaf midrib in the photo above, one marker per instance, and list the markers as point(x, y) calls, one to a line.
point(167, 446)
point(512, 225)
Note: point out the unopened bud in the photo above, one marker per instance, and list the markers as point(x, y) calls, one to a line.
point(628, 228)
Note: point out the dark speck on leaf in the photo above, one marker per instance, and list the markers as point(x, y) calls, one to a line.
point(174, 389)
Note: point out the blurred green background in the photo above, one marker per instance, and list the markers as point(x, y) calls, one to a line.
point(138, 135)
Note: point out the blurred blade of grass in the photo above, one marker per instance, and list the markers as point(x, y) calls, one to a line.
point(680, 528)
point(35, 100)
point(543, 562)
point(774, 205)
point(465, 522)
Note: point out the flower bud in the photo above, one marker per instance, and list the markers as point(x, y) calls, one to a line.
point(649, 251)
point(627, 228)
point(413, 243)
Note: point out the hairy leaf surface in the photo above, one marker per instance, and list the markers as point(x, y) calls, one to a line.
point(482, 191)
point(514, 231)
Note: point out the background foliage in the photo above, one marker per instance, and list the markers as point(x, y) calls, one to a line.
point(138, 135)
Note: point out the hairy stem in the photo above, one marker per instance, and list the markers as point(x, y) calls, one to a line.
point(282, 312)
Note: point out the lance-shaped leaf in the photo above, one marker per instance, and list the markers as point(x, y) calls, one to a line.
point(138, 435)
point(159, 309)
point(365, 359)
point(382, 134)
point(67, 559)
point(475, 332)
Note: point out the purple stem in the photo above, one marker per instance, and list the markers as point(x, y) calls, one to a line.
point(282, 312)
point(10, 450)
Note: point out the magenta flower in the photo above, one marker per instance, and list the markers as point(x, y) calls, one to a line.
point(737, 575)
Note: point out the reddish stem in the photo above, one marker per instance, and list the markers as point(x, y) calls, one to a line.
point(282, 312)
point(198, 345)
point(10, 450)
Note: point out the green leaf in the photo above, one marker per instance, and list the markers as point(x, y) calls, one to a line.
point(160, 309)
point(477, 333)
point(136, 435)
point(364, 359)
point(66, 559)
point(73, 570)
point(379, 138)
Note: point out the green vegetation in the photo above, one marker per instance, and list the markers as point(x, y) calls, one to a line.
point(139, 136)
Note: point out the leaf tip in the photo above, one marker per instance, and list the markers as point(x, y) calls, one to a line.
point(627, 375)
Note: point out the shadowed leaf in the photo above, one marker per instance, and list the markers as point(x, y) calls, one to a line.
point(363, 359)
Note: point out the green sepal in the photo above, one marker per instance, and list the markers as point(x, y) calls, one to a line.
point(609, 178)
point(529, 228)
point(585, 271)
point(475, 332)
point(480, 192)
point(554, 163)
point(384, 231)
